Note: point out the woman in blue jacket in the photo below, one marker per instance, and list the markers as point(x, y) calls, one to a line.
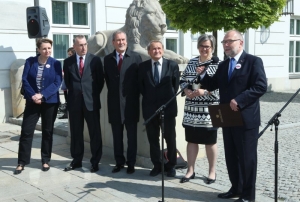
point(41, 80)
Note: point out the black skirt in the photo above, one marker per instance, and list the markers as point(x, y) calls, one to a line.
point(200, 135)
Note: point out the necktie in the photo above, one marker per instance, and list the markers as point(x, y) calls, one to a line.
point(120, 61)
point(81, 66)
point(232, 66)
point(156, 75)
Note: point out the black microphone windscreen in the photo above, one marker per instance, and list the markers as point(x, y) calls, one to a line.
point(215, 59)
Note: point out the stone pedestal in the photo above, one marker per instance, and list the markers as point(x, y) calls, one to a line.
point(16, 71)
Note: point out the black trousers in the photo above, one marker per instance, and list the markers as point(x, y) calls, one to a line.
point(76, 118)
point(117, 130)
point(31, 116)
point(153, 133)
point(240, 147)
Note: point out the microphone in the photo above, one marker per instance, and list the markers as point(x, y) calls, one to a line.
point(214, 59)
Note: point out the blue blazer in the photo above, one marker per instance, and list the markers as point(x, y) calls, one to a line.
point(247, 84)
point(52, 77)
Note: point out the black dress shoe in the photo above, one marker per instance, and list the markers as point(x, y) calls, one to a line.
point(186, 179)
point(244, 200)
point(94, 168)
point(171, 172)
point(16, 172)
point(73, 166)
point(45, 168)
point(155, 171)
point(117, 168)
point(228, 194)
point(130, 170)
point(210, 181)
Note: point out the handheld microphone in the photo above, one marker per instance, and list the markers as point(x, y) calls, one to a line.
point(214, 59)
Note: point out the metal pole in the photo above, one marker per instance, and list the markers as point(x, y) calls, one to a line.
point(36, 2)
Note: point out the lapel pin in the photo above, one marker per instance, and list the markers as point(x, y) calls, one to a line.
point(238, 66)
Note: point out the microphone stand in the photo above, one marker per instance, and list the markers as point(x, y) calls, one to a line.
point(274, 120)
point(162, 116)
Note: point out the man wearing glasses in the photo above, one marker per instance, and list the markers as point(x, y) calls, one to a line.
point(241, 80)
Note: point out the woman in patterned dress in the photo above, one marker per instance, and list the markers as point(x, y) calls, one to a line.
point(196, 120)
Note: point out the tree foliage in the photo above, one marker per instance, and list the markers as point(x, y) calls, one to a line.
point(212, 15)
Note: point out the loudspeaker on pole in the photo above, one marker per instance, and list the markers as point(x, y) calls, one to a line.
point(38, 25)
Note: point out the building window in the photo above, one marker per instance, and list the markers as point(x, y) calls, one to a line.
point(61, 43)
point(60, 46)
point(62, 11)
point(295, 27)
point(294, 48)
point(294, 57)
point(80, 14)
point(171, 44)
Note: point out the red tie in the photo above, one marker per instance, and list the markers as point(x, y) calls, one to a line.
point(81, 66)
point(120, 61)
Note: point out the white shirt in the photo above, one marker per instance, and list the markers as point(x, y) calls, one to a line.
point(159, 67)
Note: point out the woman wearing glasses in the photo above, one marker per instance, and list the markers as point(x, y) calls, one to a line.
point(196, 120)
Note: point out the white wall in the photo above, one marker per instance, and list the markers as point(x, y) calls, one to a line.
point(14, 44)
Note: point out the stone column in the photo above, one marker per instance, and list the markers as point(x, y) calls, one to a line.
point(16, 71)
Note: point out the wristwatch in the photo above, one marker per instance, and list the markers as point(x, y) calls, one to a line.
point(205, 92)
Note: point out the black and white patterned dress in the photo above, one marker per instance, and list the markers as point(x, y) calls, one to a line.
point(196, 119)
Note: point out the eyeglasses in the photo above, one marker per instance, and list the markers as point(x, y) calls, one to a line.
point(205, 47)
point(229, 41)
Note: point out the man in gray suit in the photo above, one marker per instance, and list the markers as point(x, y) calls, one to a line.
point(121, 75)
point(84, 78)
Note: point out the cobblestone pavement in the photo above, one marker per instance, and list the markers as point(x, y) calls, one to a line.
point(288, 154)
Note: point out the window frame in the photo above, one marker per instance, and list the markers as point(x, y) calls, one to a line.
point(294, 38)
point(70, 14)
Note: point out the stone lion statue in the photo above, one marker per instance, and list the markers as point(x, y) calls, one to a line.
point(145, 21)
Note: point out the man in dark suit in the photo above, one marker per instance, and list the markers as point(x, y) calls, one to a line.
point(241, 80)
point(84, 78)
point(121, 76)
point(159, 82)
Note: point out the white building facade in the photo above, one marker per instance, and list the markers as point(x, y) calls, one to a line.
point(278, 45)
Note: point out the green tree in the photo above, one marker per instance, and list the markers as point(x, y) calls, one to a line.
point(213, 15)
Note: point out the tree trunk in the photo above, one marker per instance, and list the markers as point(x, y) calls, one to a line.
point(215, 34)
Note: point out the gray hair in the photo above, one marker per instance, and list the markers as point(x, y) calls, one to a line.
point(205, 37)
point(80, 36)
point(154, 41)
point(118, 32)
